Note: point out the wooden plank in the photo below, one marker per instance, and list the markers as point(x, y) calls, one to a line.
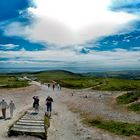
point(29, 123)
point(29, 118)
point(28, 130)
point(28, 126)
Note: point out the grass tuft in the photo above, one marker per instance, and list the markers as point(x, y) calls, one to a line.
point(119, 128)
point(128, 97)
point(134, 107)
point(12, 82)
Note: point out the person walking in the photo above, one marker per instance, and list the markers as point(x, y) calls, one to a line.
point(48, 85)
point(4, 106)
point(53, 87)
point(58, 86)
point(36, 104)
point(12, 108)
point(49, 101)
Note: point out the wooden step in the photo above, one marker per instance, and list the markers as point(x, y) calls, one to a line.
point(27, 126)
point(29, 123)
point(28, 130)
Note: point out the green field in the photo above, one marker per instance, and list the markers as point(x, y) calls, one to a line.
point(73, 80)
point(12, 82)
point(55, 75)
point(130, 97)
point(119, 128)
point(78, 81)
point(134, 107)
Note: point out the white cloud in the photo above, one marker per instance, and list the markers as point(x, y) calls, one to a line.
point(95, 59)
point(9, 46)
point(70, 22)
point(136, 48)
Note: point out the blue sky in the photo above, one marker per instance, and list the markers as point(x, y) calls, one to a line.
point(78, 35)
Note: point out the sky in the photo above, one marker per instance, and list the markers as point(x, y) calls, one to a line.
point(76, 35)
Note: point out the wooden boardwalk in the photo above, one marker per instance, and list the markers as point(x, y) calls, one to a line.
point(30, 124)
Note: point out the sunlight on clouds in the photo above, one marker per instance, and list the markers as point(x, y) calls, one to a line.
point(70, 22)
point(76, 14)
point(79, 14)
point(9, 46)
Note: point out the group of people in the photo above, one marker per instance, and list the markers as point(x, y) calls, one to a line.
point(49, 101)
point(54, 86)
point(11, 106)
point(4, 106)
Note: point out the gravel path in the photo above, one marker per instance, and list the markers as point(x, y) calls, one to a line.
point(66, 125)
point(102, 104)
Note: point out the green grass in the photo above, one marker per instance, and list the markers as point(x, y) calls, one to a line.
point(12, 82)
point(128, 97)
point(55, 75)
point(46, 121)
point(119, 128)
point(134, 107)
point(74, 81)
point(118, 84)
point(77, 81)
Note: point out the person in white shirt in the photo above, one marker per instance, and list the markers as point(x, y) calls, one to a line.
point(58, 86)
point(12, 108)
point(4, 106)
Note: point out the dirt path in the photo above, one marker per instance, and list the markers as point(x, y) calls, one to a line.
point(103, 104)
point(65, 125)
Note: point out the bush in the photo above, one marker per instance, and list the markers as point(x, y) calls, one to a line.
point(134, 107)
point(120, 128)
point(12, 82)
point(128, 97)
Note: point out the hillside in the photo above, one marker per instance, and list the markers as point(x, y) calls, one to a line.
point(57, 75)
point(116, 74)
point(77, 81)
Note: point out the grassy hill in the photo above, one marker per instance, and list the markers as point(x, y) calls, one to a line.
point(73, 80)
point(131, 100)
point(117, 74)
point(12, 82)
point(56, 75)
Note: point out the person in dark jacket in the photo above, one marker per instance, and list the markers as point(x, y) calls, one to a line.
point(36, 104)
point(49, 101)
point(53, 87)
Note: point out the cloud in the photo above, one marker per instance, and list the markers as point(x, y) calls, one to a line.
point(115, 59)
point(70, 22)
point(70, 28)
point(136, 48)
point(9, 46)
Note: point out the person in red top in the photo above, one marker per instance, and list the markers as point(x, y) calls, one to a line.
point(49, 101)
